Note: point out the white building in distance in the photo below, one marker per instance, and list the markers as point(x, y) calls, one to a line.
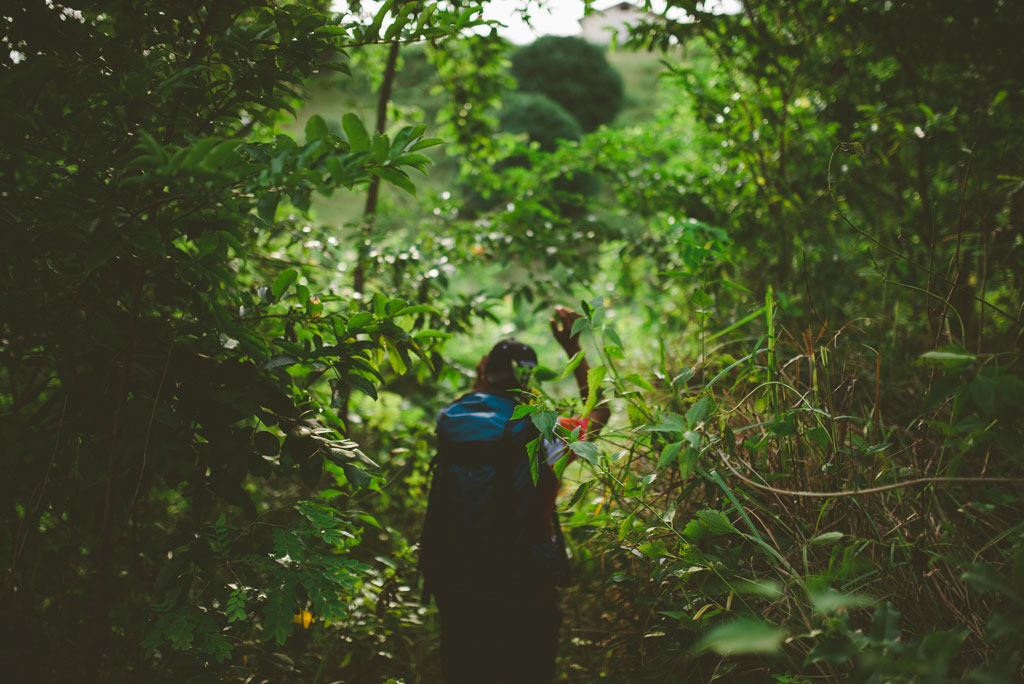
point(599, 26)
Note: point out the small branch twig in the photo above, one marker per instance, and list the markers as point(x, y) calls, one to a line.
point(869, 490)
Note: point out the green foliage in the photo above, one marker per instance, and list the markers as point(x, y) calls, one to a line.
point(165, 363)
point(799, 279)
point(573, 73)
point(543, 120)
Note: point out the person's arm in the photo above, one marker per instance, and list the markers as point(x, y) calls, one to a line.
point(561, 328)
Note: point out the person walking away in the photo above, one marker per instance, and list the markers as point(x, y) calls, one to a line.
point(492, 552)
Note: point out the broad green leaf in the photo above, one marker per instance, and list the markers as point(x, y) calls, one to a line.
point(284, 281)
point(358, 320)
point(574, 362)
point(716, 522)
point(532, 449)
point(655, 549)
point(280, 361)
point(687, 461)
point(819, 436)
point(545, 422)
point(697, 411)
point(669, 454)
point(232, 241)
point(671, 422)
point(639, 381)
point(426, 142)
point(612, 335)
point(544, 374)
point(380, 305)
point(426, 334)
point(355, 131)
point(695, 529)
point(588, 451)
point(380, 148)
point(578, 495)
point(394, 305)
point(395, 177)
point(614, 351)
point(395, 358)
point(594, 377)
point(684, 376)
point(266, 207)
point(885, 623)
point(356, 476)
point(362, 384)
point(316, 128)
point(207, 243)
point(412, 159)
point(523, 410)
point(560, 465)
point(405, 137)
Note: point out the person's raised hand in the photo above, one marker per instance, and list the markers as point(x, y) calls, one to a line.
point(561, 328)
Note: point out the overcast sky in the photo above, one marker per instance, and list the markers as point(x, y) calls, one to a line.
point(557, 17)
point(562, 17)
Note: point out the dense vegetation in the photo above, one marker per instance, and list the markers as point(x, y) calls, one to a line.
point(233, 304)
point(573, 73)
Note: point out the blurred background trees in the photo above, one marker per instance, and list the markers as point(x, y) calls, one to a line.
point(573, 73)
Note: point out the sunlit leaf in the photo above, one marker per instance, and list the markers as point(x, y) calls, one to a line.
point(284, 281)
point(743, 636)
point(716, 522)
point(827, 538)
point(586, 450)
point(829, 600)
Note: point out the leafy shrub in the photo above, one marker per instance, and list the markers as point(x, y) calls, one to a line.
point(573, 73)
point(540, 117)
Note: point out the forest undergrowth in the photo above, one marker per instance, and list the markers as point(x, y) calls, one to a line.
point(234, 304)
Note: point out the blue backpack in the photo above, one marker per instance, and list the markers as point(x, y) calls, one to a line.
point(488, 526)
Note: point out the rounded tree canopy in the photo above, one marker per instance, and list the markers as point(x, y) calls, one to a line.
point(573, 73)
point(540, 117)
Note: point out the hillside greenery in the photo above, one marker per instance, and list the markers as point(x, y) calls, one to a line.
point(251, 250)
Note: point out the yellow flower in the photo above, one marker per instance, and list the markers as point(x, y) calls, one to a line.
point(305, 618)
